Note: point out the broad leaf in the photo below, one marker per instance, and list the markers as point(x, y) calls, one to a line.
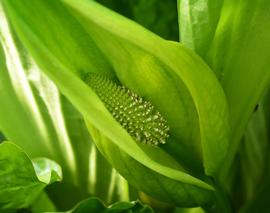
point(20, 181)
point(18, 108)
point(47, 125)
point(154, 63)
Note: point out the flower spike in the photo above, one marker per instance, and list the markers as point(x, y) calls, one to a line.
point(138, 116)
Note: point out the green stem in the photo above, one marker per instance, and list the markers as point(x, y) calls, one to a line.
point(220, 202)
point(157, 206)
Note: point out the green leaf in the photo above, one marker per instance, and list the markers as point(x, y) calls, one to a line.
point(195, 74)
point(260, 202)
point(239, 55)
point(42, 204)
point(168, 189)
point(155, 63)
point(198, 20)
point(254, 160)
point(26, 107)
point(47, 125)
point(161, 16)
point(133, 207)
point(75, 48)
point(254, 153)
point(18, 108)
point(20, 183)
point(47, 170)
point(96, 205)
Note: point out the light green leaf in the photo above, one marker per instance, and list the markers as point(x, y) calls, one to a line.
point(213, 118)
point(154, 63)
point(239, 55)
point(18, 108)
point(43, 204)
point(75, 48)
point(197, 23)
point(47, 170)
point(26, 106)
point(47, 125)
point(170, 190)
point(95, 176)
point(20, 184)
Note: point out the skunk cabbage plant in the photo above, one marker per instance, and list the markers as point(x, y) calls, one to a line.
point(104, 95)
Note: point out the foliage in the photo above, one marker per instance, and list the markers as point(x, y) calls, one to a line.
point(211, 89)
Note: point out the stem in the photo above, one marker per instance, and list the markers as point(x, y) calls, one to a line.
point(157, 206)
point(220, 202)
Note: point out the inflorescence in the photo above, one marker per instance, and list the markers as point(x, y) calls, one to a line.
point(139, 117)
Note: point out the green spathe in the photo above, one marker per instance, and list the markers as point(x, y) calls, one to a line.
point(186, 85)
point(184, 79)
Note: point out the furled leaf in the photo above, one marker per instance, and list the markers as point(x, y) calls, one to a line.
point(20, 181)
point(198, 20)
point(239, 55)
point(157, 68)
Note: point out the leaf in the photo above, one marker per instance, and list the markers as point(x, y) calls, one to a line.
point(16, 99)
point(24, 109)
point(254, 160)
point(47, 125)
point(47, 170)
point(239, 55)
point(96, 205)
point(42, 204)
point(170, 190)
point(75, 48)
point(260, 203)
point(254, 154)
point(154, 63)
point(20, 184)
point(198, 20)
point(94, 111)
point(161, 17)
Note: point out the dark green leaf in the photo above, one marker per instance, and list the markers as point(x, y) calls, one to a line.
point(95, 205)
point(161, 15)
